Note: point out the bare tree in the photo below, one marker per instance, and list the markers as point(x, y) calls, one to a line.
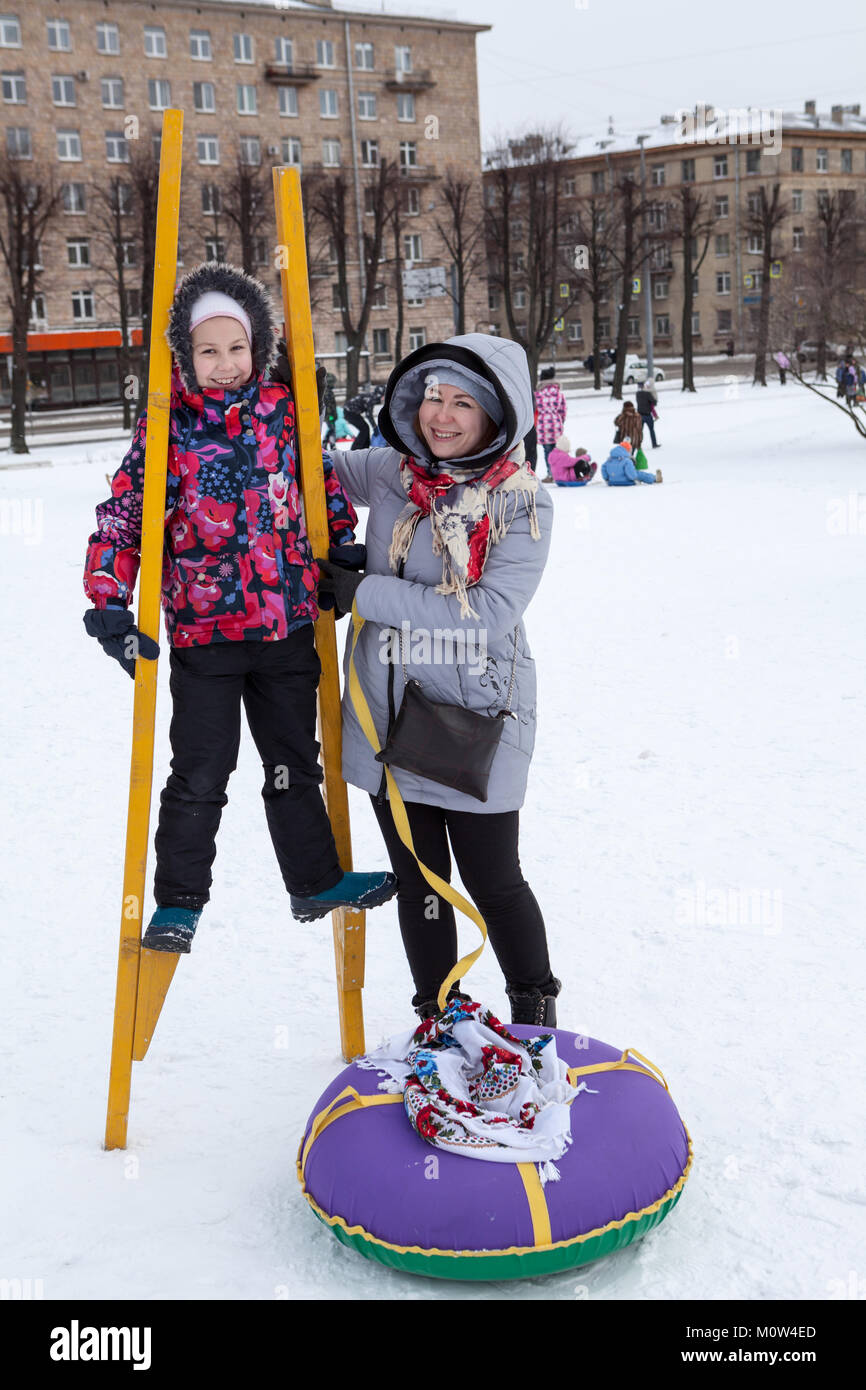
point(694, 226)
point(829, 267)
point(394, 219)
point(762, 223)
point(596, 275)
point(329, 199)
point(629, 252)
point(28, 203)
point(462, 232)
point(247, 204)
point(529, 251)
point(113, 234)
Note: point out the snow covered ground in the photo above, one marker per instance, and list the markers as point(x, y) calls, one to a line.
point(693, 830)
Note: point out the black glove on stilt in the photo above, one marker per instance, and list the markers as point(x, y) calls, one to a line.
point(116, 633)
point(341, 574)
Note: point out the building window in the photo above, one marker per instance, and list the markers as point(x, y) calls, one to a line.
point(204, 97)
point(328, 103)
point(122, 198)
point(753, 204)
point(796, 159)
point(822, 161)
point(723, 282)
point(492, 297)
point(657, 175)
point(133, 304)
point(753, 161)
point(696, 324)
point(62, 91)
point(260, 250)
point(369, 199)
point(575, 331)
point(417, 338)
point(380, 298)
point(603, 330)
point(112, 93)
point(325, 54)
point(116, 147)
point(199, 45)
point(250, 149)
point(403, 58)
point(569, 188)
point(284, 51)
point(214, 248)
point(633, 326)
point(755, 244)
point(74, 197)
point(370, 153)
point(847, 161)
point(663, 326)
point(158, 93)
point(723, 244)
point(598, 181)
point(341, 342)
point(367, 106)
point(520, 299)
point(82, 305)
point(723, 320)
point(722, 207)
point(412, 204)
point(291, 150)
point(796, 200)
point(412, 247)
point(246, 96)
point(364, 56)
point(68, 144)
point(14, 88)
point(207, 149)
point(107, 38)
point(10, 31)
point(331, 154)
point(336, 301)
point(78, 252)
point(59, 36)
point(687, 171)
point(18, 144)
point(242, 47)
point(405, 106)
point(154, 42)
point(210, 199)
point(37, 311)
point(288, 101)
point(720, 166)
point(382, 342)
point(408, 154)
point(661, 289)
point(798, 238)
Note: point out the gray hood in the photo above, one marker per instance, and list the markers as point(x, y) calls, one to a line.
point(500, 361)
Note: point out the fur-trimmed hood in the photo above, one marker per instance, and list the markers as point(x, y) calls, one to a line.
point(252, 296)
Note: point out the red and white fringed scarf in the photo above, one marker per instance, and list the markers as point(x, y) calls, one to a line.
point(464, 531)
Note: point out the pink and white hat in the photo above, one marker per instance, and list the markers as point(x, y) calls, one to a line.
point(214, 304)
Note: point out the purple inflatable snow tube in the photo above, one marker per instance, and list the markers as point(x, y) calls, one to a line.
point(389, 1194)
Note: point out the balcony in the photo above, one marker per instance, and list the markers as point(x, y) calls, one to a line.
point(418, 81)
point(285, 76)
point(419, 173)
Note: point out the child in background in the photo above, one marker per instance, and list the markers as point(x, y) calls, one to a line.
point(239, 586)
point(570, 470)
point(551, 410)
point(618, 469)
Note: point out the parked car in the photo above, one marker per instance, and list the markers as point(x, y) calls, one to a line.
point(808, 352)
point(635, 371)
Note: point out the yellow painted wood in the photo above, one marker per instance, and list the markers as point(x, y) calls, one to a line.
point(349, 927)
point(155, 973)
point(132, 961)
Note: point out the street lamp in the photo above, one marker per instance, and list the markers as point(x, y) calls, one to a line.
point(647, 273)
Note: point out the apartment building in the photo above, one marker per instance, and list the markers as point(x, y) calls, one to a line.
point(275, 82)
point(725, 159)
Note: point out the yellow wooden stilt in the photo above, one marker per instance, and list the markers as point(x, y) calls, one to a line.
point(349, 927)
point(145, 975)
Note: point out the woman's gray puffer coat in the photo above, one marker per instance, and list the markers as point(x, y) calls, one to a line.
point(461, 661)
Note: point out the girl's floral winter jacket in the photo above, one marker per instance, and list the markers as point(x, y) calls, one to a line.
point(551, 410)
point(237, 563)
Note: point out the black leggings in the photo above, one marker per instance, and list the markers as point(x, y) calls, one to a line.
point(485, 848)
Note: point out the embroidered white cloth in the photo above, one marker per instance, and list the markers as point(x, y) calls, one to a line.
point(469, 1085)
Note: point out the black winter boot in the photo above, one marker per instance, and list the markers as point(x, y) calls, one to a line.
point(429, 1008)
point(535, 1005)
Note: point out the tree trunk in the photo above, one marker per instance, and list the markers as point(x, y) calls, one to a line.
point(760, 377)
point(18, 438)
point(688, 347)
point(622, 336)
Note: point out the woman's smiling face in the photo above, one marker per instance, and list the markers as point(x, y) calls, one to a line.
point(452, 422)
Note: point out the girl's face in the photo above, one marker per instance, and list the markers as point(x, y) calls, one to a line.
point(452, 422)
point(221, 355)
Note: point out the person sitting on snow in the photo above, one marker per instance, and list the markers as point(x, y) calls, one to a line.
point(618, 469)
point(568, 469)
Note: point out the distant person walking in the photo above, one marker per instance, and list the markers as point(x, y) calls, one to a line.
point(783, 362)
point(551, 411)
point(629, 427)
point(647, 400)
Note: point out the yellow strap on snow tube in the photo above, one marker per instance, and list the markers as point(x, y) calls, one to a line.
point(334, 1111)
point(621, 1065)
point(401, 821)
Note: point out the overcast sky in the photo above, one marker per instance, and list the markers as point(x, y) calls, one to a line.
point(581, 62)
